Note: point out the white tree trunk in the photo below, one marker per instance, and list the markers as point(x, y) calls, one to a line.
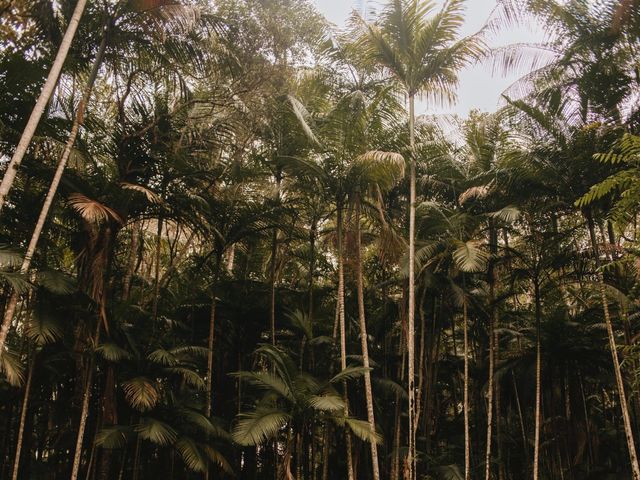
point(465, 405)
point(411, 460)
point(53, 188)
point(365, 347)
point(23, 419)
point(633, 457)
point(343, 339)
point(84, 412)
point(41, 103)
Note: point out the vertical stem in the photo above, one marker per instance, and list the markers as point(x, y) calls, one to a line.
point(23, 418)
point(538, 411)
point(490, 401)
point(364, 343)
point(53, 188)
point(343, 334)
point(156, 272)
point(84, 412)
point(41, 103)
point(411, 460)
point(212, 332)
point(626, 419)
point(467, 439)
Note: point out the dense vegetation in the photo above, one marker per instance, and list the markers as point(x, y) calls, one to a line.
point(232, 248)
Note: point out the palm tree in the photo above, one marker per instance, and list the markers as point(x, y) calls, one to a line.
point(291, 400)
point(422, 54)
point(554, 138)
point(53, 188)
point(41, 103)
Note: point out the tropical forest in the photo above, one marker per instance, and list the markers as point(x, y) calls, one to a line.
point(241, 241)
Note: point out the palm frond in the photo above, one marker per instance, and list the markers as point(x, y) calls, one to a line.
point(190, 377)
point(362, 430)
point(163, 357)
point(382, 168)
point(56, 282)
point(191, 454)
point(92, 211)
point(43, 329)
point(156, 431)
point(327, 402)
point(141, 393)
point(12, 368)
point(267, 381)
point(114, 437)
point(151, 196)
point(469, 257)
point(9, 258)
point(257, 427)
point(349, 373)
point(113, 352)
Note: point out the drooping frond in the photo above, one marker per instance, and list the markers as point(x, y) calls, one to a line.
point(156, 431)
point(141, 393)
point(349, 373)
point(267, 381)
point(114, 437)
point(191, 454)
point(469, 257)
point(327, 402)
point(384, 169)
point(362, 430)
point(92, 211)
point(113, 352)
point(12, 368)
point(258, 426)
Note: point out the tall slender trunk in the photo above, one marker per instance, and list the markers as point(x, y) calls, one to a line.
point(23, 419)
point(212, 331)
point(53, 188)
point(538, 408)
point(411, 457)
point(626, 418)
point(465, 401)
point(156, 271)
point(490, 400)
point(364, 343)
point(84, 412)
point(272, 281)
point(326, 446)
point(41, 103)
point(343, 333)
point(421, 357)
point(131, 261)
point(274, 264)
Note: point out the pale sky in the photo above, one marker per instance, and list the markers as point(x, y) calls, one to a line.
point(479, 88)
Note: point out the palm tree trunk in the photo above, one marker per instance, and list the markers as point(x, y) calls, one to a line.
point(626, 418)
point(538, 408)
point(274, 264)
point(131, 261)
point(326, 446)
point(41, 103)
point(343, 335)
point(490, 401)
point(272, 281)
point(84, 412)
point(212, 332)
point(465, 404)
point(156, 270)
point(364, 343)
point(411, 460)
point(23, 418)
point(53, 188)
